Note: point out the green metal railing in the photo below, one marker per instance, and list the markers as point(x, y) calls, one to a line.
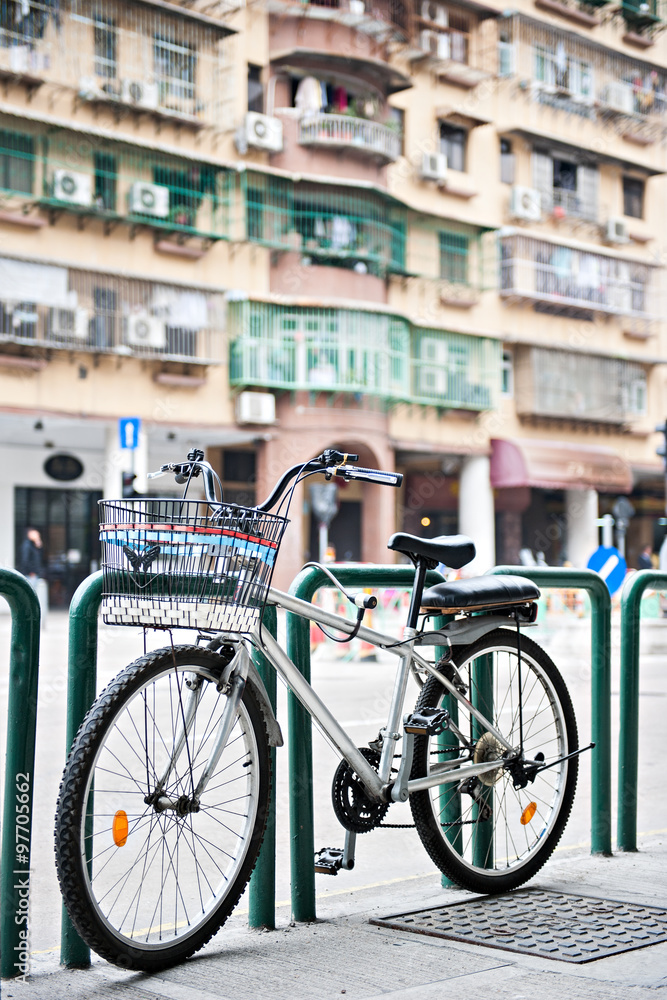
point(302, 844)
point(81, 691)
point(585, 579)
point(358, 351)
point(19, 772)
point(628, 743)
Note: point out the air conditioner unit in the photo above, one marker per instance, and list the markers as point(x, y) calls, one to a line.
point(263, 132)
point(526, 203)
point(428, 42)
point(69, 323)
point(144, 330)
point(255, 408)
point(144, 95)
point(72, 187)
point(89, 88)
point(435, 12)
point(434, 167)
point(619, 97)
point(617, 231)
point(149, 199)
point(357, 7)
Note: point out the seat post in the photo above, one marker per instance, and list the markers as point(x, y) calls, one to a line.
point(421, 569)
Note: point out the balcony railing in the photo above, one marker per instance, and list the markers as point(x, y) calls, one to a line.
point(569, 73)
point(113, 183)
point(345, 132)
point(563, 385)
point(348, 351)
point(335, 226)
point(569, 204)
point(54, 307)
point(561, 277)
point(379, 18)
point(171, 64)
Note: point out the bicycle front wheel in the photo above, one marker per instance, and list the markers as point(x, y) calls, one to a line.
point(148, 870)
point(485, 833)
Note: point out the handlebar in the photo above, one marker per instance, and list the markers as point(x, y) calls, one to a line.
point(331, 463)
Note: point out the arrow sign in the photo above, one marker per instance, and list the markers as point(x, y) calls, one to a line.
point(608, 563)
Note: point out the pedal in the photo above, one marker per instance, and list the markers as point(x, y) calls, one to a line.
point(329, 861)
point(427, 722)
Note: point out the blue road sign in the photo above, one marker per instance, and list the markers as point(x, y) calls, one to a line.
point(128, 432)
point(610, 564)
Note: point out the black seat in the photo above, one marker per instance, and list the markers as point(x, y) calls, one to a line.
point(454, 551)
point(479, 592)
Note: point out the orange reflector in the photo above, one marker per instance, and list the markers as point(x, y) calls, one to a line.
point(528, 812)
point(121, 828)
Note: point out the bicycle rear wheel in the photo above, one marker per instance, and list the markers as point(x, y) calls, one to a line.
point(483, 832)
point(147, 881)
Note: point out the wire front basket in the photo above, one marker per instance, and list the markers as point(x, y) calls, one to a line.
point(186, 564)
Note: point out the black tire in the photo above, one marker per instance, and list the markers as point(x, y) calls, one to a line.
point(154, 899)
point(496, 851)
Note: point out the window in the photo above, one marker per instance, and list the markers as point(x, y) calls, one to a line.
point(105, 46)
point(565, 175)
point(16, 162)
point(506, 162)
point(633, 197)
point(555, 68)
point(396, 121)
point(507, 374)
point(454, 257)
point(175, 65)
point(255, 89)
point(453, 145)
point(105, 181)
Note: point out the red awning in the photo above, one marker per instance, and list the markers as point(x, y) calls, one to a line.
point(558, 465)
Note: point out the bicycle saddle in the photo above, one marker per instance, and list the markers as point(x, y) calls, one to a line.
point(454, 551)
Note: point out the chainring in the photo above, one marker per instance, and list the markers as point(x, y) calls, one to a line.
point(354, 810)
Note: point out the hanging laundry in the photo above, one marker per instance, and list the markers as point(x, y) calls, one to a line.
point(340, 100)
point(308, 97)
point(343, 232)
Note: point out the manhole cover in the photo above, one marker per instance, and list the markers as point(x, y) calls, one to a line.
point(556, 925)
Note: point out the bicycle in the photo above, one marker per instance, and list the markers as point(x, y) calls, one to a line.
point(164, 797)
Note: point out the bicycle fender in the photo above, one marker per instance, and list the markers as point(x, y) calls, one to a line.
point(258, 689)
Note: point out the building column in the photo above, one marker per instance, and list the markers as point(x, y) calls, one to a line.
point(476, 511)
point(112, 468)
point(581, 507)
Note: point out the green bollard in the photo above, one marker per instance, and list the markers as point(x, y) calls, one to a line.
point(262, 889)
point(628, 742)
point(302, 843)
point(81, 691)
point(19, 772)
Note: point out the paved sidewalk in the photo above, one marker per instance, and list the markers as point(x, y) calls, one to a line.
point(342, 954)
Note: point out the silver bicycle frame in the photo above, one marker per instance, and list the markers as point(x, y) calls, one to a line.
point(375, 781)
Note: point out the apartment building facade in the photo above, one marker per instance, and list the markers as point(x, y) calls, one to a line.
point(428, 233)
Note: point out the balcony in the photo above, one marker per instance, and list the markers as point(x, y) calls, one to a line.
point(360, 135)
point(564, 204)
point(384, 19)
point(570, 74)
point(164, 61)
point(113, 184)
point(458, 261)
point(567, 281)
point(560, 384)
point(348, 351)
point(61, 308)
point(333, 226)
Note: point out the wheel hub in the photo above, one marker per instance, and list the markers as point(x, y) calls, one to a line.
point(488, 748)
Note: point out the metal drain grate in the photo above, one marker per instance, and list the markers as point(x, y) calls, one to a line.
point(557, 925)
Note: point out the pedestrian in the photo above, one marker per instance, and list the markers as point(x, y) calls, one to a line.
point(31, 557)
point(644, 560)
